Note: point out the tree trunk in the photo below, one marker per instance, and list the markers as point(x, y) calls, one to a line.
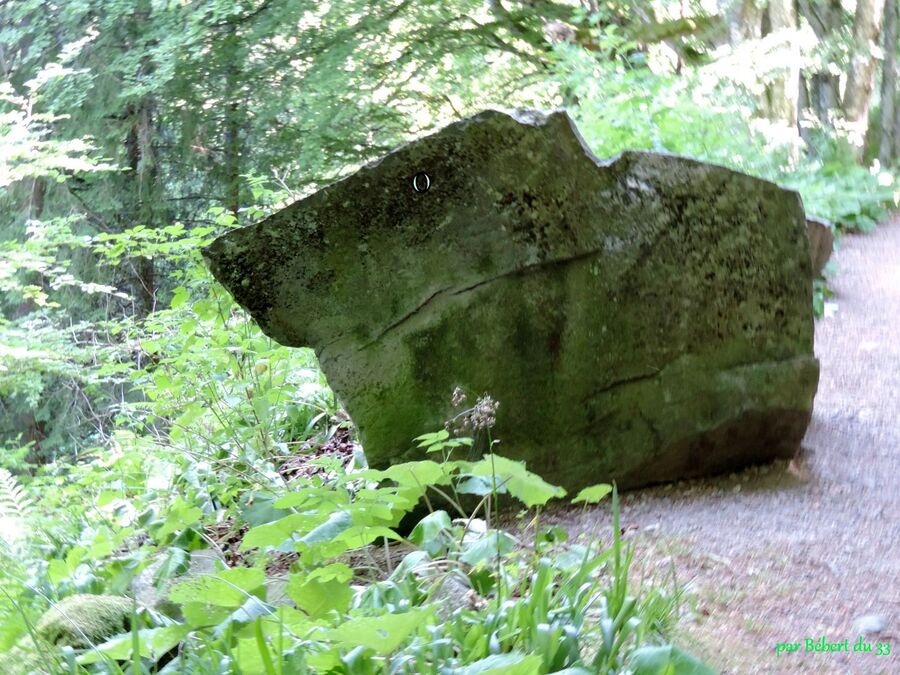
point(824, 96)
point(887, 150)
point(34, 431)
point(35, 210)
point(38, 192)
point(783, 94)
point(743, 19)
point(748, 20)
point(143, 173)
point(824, 87)
point(805, 103)
point(233, 122)
point(897, 132)
point(860, 74)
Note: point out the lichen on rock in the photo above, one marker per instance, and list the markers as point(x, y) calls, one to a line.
point(642, 319)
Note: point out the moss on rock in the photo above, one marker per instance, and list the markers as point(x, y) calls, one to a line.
point(27, 658)
point(643, 319)
point(82, 620)
point(77, 621)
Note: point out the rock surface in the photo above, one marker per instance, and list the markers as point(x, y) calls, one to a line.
point(84, 620)
point(642, 319)
point(79, 621)
point(869, 624)
point(821, 243)
point(153, 594)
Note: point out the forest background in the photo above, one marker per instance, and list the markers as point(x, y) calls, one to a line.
point(132, 132)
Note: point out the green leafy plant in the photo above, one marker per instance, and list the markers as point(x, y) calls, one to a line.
point(465, 594)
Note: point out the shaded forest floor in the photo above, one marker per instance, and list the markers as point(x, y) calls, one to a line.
point(790, 551)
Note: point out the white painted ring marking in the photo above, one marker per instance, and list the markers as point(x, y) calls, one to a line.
point(416, 181)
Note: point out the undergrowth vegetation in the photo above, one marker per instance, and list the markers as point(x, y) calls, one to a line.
point(321, 580)
point(225, 502)
point(714, 118)
point(180, 494)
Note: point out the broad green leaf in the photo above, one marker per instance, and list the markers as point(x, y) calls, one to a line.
point(292, 620)
point(575, 556)
point(228, 588)
point(108, 496)
point(593, 494)
point(179, 296)
point(528, 488)
point(191, 412)
point(75, 556)
point(410, 563)
point(331, 528)
point(276, 533)
point(450, 444)
point(513, 663)
point(666, 660)
point(57, 571)
point(428, 533)
point(325, 662)
point(303, 496)
point(102, 545)
point(382, 634)
point(487, 547)
point(432, 438)
point(398, 499)
point(259, 509)
point(479, 485)
point(178, 519)
point(154, 642)
point(252, 609)
point(197, 614)
point(323, 590)
point(418, 474)
point(373, 512)
point(353, 537)
point(249, 659)
point(362, 535)
point(174, 563)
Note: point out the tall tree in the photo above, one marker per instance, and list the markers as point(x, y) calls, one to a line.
point(861, 69)
point(823, 85)
point(888, 149)
point(743, 19)
point(784, 90)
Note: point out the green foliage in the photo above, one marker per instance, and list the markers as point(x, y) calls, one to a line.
point(665, 660)
point(130, 138)
point(838, 190)
point(622, 106)
point(593, 494)
point(465, 595)
point(14, 503)
point(143, 413)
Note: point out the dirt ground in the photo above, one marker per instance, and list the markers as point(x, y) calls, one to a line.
point(791, 551)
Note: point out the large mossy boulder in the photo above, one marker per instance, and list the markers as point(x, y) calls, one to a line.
point(78, 621)
point(84, 620)
point(642, 319)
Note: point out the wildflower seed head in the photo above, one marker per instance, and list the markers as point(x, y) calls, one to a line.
point(484, 414)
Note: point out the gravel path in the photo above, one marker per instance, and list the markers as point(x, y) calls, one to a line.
point(798, 550)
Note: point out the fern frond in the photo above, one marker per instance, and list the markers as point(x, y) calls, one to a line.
point(14, 502)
